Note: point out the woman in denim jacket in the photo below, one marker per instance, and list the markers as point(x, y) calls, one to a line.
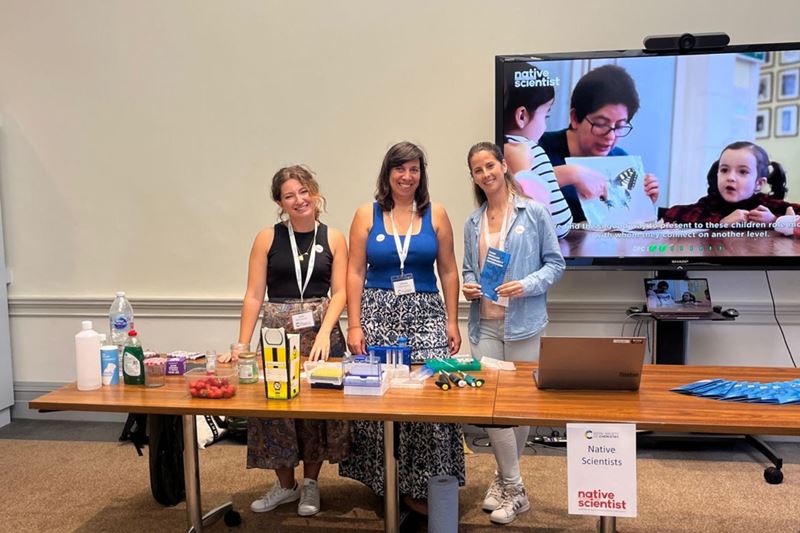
point(508, 328)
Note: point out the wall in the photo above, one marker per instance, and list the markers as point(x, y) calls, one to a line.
point(138, 139)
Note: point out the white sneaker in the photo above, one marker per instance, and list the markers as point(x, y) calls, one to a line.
point(309, 501)
point(515, 502)
point(494, 495)
point(274, 497)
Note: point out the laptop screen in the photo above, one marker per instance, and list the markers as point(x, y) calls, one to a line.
point(678, 296)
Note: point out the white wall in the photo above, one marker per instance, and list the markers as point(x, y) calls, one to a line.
point(139, 137)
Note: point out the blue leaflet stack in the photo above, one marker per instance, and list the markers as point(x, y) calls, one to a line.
point(776, 392)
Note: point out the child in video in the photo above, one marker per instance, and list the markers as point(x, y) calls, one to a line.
point(524, 115)
point(734, 190)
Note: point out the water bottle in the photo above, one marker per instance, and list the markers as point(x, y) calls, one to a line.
point(87, 355)
point(133, 360)
point(120, 319)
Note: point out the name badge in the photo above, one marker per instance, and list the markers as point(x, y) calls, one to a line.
point(403, 284)
point(303, 320)
point(502, 301)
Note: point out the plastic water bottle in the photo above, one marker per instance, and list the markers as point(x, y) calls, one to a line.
point(120, 319)
point(87, 355)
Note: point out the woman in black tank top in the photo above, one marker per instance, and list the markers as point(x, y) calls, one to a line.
point(281, 444)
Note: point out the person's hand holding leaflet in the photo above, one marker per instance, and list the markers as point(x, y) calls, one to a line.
point(511, 289)
point(651, 187)
point(471, 291)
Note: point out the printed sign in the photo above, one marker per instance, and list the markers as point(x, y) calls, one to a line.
point(601, 469)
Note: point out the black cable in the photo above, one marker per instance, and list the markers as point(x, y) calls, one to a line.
point(778, 322)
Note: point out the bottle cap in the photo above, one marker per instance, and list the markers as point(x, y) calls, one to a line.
point(132, 333)
point(86, 324)
point(120, 294)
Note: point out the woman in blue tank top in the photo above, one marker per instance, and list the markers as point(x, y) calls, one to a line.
point(392, 292)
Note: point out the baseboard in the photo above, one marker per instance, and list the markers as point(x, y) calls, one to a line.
point(560, 310)
point(24, 393)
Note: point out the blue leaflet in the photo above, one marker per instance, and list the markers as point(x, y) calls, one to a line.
point(776, 392)
point(697, 386)
point(494, 272)
point(719, 390)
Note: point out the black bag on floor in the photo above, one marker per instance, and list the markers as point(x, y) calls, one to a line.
point(135, 430)
point(166, 459)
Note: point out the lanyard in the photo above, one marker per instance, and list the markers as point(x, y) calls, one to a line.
point(485, 223)
point(312, 256)
point(402, 251)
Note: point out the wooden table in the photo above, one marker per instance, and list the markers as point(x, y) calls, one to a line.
point(652, 407)
point(429, 404)
point(507, 398)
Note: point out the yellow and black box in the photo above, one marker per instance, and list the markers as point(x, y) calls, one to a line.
point(281, 363)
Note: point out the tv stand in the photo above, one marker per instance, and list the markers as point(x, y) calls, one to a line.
point(670, 349)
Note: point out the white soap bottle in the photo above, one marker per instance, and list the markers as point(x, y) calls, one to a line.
point(87, 354)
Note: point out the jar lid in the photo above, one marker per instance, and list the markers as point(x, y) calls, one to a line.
point(247, 355)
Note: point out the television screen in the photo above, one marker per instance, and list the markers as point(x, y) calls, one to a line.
point(659, 160)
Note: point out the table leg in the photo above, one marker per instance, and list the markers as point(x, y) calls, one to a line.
point(191, 474)
point(607, 524)
point(391, 518)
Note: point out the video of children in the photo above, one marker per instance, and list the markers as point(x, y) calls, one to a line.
point(671, 155)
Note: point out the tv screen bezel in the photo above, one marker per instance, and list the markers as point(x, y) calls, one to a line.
point(649, 262)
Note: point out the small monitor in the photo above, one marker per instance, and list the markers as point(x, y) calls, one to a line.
point(678, 298)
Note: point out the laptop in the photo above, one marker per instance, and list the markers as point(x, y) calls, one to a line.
point(590, 363)
point(678, 299)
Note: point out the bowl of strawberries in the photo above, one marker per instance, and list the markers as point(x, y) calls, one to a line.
point(214, 385)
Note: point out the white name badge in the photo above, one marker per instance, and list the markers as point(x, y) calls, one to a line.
point(303, 320)
point(502, 301)
point(403, 284)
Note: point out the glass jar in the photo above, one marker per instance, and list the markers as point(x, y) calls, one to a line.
point(155, 372)
point(248, 368)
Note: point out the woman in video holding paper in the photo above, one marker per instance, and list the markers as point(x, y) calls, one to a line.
point(395, 242)
point(299, 258)
point(734, 192)
point(602, 105)
point(511, 259)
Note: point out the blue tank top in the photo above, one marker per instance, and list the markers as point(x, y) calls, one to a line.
point(383, 261)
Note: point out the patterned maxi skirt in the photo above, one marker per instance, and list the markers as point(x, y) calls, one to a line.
point(424, 450)
point(283, 443)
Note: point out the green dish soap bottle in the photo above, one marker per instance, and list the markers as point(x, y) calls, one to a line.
point(133, 360)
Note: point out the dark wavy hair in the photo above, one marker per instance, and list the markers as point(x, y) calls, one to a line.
point(609, 84)
point(512, 184)
point(398, 155)
point(305, 176)
point(776, 178)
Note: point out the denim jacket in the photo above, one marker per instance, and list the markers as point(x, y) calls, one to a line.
point(536, 261)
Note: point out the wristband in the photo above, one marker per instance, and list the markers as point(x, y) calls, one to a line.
point(352, 327)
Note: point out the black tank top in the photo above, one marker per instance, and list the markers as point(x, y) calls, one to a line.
point(281, 280)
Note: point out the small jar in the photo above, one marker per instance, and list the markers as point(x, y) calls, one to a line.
point(155, 372)
point(248, 368)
